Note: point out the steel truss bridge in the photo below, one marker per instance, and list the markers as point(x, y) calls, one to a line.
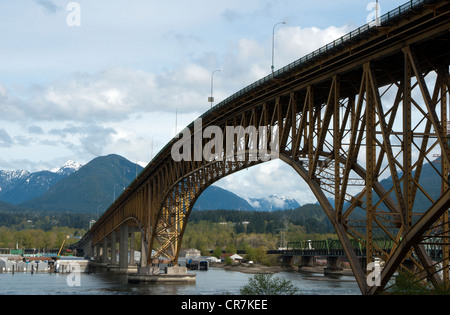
point(334, 248)
point(369, 106)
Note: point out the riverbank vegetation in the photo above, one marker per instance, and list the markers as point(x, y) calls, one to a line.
point(42, 230)
point(254, 233)
point(206, 236)
point(267, 284)
point(37, 238)
point(228, 231)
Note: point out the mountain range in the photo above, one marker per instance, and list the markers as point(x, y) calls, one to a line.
point(91, 188)
point(20, 186)
point(274, 203)
point(216, 198)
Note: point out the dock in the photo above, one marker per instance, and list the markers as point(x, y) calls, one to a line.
point(44, 264)
point(175, 274)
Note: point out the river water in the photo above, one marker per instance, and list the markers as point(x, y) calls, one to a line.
point(215, 281)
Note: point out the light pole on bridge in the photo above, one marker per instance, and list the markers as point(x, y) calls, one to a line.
point(273, 45)
point(211, 98)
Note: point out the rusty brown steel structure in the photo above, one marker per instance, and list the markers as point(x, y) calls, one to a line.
point(370, 106)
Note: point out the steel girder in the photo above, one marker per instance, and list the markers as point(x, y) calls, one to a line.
point(369, 156)
point(363, 126)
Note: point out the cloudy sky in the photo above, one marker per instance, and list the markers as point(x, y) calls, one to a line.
point(94, 77)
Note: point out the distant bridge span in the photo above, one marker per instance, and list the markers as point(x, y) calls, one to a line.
point(372, 104)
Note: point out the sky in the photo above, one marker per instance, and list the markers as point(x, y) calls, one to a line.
point(88, 78)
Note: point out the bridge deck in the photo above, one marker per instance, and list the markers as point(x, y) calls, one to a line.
point(335, 129)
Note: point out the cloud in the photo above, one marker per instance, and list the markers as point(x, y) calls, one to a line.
point(5, 139)
point(130, 111)
point(294, 42)
point(274, 177)
point(114, 94)
point(274, 200)
point(35, 130)
point(91, 138)
point(255, 10)
point(107, 95)
point(49, 6)
point(231, 15)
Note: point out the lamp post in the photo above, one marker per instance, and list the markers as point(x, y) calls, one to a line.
point(115, 191)
point(273, 45)
point(377, 21)
point(211, 98)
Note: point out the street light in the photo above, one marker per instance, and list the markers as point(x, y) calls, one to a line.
point(211, 98)
point(378, 14)
point(273, 44)
point(115, 191)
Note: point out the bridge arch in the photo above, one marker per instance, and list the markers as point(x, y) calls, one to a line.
point(336, 129)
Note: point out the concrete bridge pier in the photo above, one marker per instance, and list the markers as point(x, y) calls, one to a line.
point(104, 254)
point(97, 252)
point(113, 248)
point(88, 249)
point(144, 251)
point(126, 249)
point(105, 258)
point(152, 274)
point(333, 266)
point(123, 247)
point(288, 260)
point(306, 261)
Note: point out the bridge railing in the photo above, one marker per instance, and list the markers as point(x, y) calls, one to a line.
point(432, 245)
point(385, 19)
point(333, 247)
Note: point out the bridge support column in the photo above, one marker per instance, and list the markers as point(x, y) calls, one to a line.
point(123, 247)
point(306, 261)
point(105, 250)
point(288, 260)
point(144, 249)
point(89, 249)
point(97, 252)
point(333, 266)
point(132, 238)
point(113, 248)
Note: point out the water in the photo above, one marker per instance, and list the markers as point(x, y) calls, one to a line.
point(215, 281)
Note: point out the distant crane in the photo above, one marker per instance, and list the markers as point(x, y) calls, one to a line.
point(67, 237)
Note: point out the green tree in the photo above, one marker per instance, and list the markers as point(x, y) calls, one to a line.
point(262, 257)
point(231, 249)
point(250, 253)
point(266, 284)
point(228, 260)
point(217, 252)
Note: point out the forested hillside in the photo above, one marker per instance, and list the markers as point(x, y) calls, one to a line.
point(311, 217)
point(205, 229)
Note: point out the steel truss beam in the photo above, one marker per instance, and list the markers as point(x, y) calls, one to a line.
point(362, 126)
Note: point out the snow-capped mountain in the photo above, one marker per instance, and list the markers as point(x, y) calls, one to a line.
point(68, 168)
point(9, 179)
point(215, 198)
point(273, 203)
point(19, 186)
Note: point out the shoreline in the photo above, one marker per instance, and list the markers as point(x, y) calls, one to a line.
point(260, 269)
